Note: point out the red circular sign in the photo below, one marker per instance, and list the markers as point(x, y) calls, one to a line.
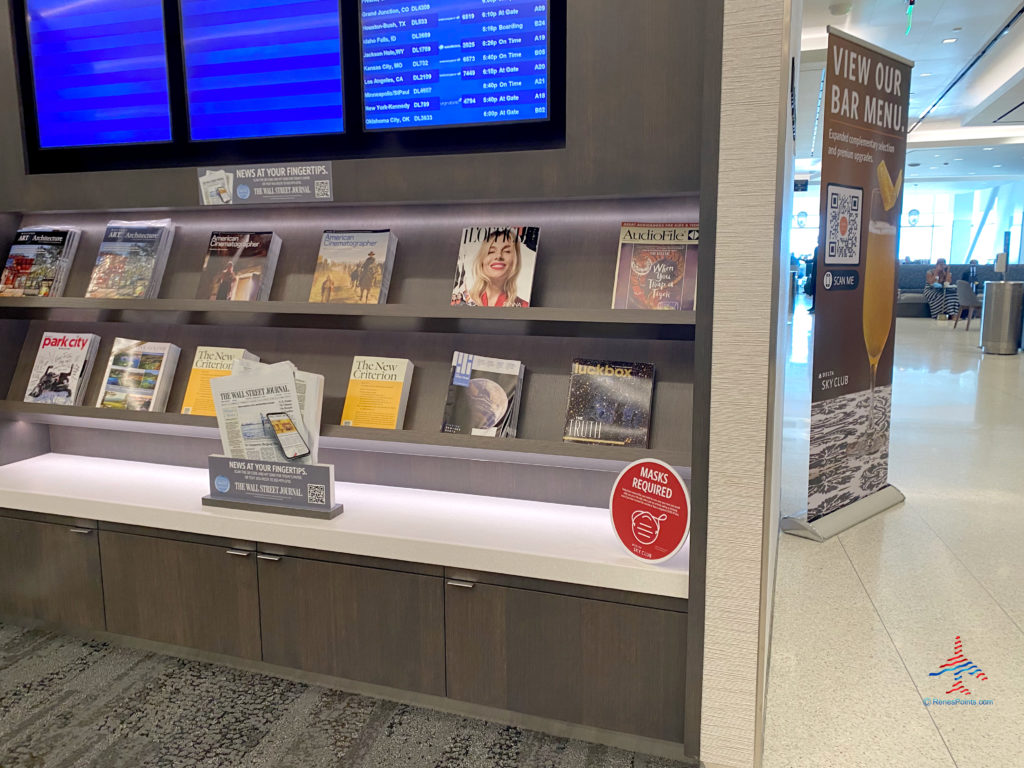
point(650, 510)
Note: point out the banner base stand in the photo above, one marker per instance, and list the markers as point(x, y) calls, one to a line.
point(826, 527)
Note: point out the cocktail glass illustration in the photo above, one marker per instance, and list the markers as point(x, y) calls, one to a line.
point(879, 297)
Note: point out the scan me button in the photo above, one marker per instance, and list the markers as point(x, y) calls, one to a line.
point(840, 279)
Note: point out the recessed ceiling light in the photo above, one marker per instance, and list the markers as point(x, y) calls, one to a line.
point(925, 74)
point(949, 40)
point(986, 149)
point(937, 155)
point(998, 165)
point(933, 167)
point(958, 158)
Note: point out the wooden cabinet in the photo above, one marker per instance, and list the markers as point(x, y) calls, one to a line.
point(604, 664)
point(181, 592)
point(50, 572)
point(582, 655)
point(369, 624)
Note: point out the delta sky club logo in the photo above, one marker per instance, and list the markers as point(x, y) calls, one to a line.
point(956, 668)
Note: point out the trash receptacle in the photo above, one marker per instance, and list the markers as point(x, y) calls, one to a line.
point(1001, 317)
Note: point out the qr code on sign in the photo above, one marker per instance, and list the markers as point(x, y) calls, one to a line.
point(322, 190)
point(316, 494)
point(842, 221)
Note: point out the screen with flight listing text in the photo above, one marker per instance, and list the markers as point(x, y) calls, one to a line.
point(445, 63)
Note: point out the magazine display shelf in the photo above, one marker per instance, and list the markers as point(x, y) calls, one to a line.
point(544, 321)
point(345, 438)
point(557, 602)
point(570, 317)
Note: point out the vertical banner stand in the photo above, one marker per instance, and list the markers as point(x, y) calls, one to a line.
point(864, 147)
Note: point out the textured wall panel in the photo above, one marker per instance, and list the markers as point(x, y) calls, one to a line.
point(755, 79)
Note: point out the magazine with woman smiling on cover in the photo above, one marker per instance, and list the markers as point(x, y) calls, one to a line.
point(496, 266)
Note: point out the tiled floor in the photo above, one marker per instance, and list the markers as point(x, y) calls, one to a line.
point(861, 620)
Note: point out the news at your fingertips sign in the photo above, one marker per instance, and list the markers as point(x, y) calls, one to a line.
point(650, 510)
point(311, 182)
point(864, 147)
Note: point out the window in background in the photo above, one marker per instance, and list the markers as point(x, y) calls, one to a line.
point(803, 235)
point(926, 228)
point(984, 217)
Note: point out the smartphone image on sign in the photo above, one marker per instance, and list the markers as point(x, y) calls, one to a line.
point(288, 435)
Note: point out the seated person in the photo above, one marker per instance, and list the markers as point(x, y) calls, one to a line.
point(971, 274)
point(939, 275)
point(940, 302)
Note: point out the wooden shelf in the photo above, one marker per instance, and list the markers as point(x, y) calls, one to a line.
point(544, 321)
point(408, 442)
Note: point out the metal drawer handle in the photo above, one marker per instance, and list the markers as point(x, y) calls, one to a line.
point(272, 558)
point(462, 584)
point(80, 530)
point(238, 552)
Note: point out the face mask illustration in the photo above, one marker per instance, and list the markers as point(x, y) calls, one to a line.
point(646, 526)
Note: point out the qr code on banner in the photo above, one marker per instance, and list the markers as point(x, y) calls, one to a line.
point(322, 190)
point(316, 494)
point(842, 221)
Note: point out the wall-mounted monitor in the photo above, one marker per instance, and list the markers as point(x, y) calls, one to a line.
point(257, 69)
point(98, 72)
point(120, 84)
point(446, 63)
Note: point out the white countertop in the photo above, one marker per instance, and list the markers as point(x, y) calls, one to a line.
point(558, 542)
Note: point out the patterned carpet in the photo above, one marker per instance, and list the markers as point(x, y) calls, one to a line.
point(70, 703)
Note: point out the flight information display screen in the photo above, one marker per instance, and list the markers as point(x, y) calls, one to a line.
point(445, 63)
point(259, 69)
point(99, 72)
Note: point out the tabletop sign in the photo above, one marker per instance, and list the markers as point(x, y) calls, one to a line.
point(281, 487)
point(650, 509)
point(311, 182)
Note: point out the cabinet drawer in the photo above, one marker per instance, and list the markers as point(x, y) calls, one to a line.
point(608, 665)
point(51, 573)
point(179, 592)
point(367, 624)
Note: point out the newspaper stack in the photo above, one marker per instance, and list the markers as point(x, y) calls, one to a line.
point(254, 401)
point(39, 261)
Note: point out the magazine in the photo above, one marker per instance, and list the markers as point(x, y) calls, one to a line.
point(657, 267)
point(484, 394)
point(354, 267)
point(39, 261)
point(378, 393)
point(609, 403)
point(209, 363)
point(62, 367)
point(131, 260)
point(496, 266)
point(239, 266)
point(138, 376)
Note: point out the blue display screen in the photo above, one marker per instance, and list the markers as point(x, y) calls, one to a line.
point(262, 68)
point(100, 72)
point(453, 62)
